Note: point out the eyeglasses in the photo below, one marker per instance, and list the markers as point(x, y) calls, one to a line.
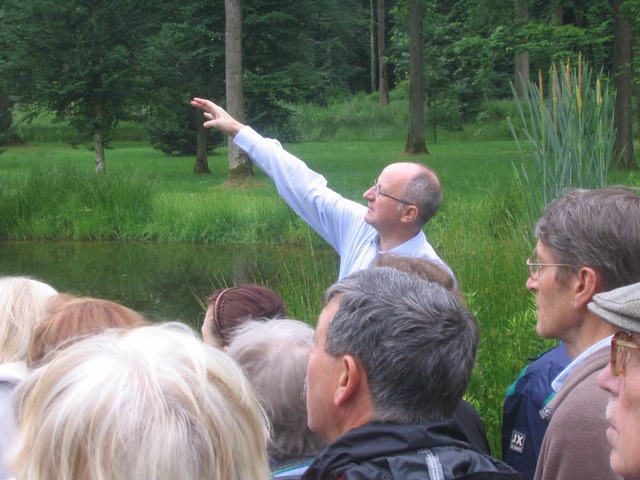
point(621, 345)
point(380, 192)
point(534, 267)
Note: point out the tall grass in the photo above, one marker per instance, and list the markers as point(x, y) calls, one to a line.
point(64, 203)
point(361, 117)
point(570, 133)
point(46, 128)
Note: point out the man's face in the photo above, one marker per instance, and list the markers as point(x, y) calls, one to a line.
point(556, 316)
point(322, 379)
point(384, 212)
point(623, 413)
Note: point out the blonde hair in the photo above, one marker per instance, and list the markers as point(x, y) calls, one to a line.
point(23, 301)
point(152, 402)
point(421, 267)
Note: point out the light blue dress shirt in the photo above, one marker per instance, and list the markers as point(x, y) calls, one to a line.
point(338, 220)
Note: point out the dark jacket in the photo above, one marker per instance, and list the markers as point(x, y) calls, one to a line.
point(429, 451)
point(522, 426)
point(467, 419)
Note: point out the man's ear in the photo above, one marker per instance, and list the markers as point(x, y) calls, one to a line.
point(410, 214)
point(349, 381)
point(586, 285)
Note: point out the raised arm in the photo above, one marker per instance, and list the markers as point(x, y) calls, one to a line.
point(218, 117)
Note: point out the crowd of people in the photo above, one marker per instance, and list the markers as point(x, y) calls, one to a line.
point(91, 389)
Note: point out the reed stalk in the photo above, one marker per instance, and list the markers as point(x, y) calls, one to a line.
point(565, 144)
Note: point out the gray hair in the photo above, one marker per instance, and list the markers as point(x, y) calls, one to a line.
point(598, 229)
point(274, 355)
point(424, 190)
point(416, 343)
point(152, 402)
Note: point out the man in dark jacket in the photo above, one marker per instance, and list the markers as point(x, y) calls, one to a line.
point(392, 358)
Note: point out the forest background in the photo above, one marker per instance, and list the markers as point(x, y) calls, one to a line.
point(114, 79)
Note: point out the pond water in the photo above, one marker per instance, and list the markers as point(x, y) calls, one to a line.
point(171, 281)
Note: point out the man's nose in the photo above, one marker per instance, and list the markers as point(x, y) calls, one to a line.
point(531, 284)
point(369, 194)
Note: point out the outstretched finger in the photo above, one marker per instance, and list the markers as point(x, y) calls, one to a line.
point(203, 104)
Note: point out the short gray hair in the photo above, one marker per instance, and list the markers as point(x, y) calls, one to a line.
point(152, 402)
point(274, 355)
point(598, 229)
point(415, 341)
point(425, 192)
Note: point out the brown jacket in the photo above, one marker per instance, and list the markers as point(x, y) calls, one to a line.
point(575, 446)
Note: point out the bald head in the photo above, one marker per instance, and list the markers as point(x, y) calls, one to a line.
point(422, 188)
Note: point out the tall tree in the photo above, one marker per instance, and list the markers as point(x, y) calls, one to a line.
point(521, 80)
point(307, 50)
point(78, 59)
point(622, 78)
point(6, 103)
point(6, 119)
point(239, 164)
point(415, 138)
point(372, 43)
point(634, 6)
point(182, 60)
point(383, 73)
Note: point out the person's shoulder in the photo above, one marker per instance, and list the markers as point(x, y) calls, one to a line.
point(452, 461)
point(291, 471)
point(535, 379)
point(550, 362)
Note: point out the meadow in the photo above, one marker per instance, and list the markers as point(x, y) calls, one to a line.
point(48, 191)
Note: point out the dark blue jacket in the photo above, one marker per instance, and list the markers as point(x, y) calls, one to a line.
point(522, 426)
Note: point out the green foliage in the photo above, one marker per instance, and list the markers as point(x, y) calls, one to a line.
point(45, 127)
point(359, 117)
point(173, 131)
point(58, 203)
point(305, 50)
point(569, 133)
point(470, 46)
point(548, 43)
point(77, 60)
point(183, 59)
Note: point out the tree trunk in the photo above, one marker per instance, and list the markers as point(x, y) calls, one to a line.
point(383, 75)
point(202, 163)
point(240, 166)
point(372, 39)
point(98, 137)
point(555, 12)
point(521, 77)
point(7, 136)
point(637, 105)
point(622, 80)
point(415, 139)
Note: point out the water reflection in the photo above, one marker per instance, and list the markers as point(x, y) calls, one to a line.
point(168, 281)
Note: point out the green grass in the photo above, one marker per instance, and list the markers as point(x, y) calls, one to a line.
point(49, 191)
